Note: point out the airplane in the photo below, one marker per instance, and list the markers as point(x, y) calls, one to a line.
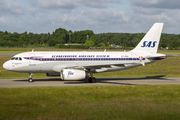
point(82, 65)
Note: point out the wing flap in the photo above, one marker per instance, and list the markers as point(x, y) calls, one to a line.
point(93, 67)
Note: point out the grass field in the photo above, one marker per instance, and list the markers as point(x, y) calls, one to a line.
point(19, 50)
point(91, 102)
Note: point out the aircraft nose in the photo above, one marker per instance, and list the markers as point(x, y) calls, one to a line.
point(6, 65)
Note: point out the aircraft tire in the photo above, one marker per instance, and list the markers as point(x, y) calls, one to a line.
point(30, 80)
point(93, 80)
point(90, 80)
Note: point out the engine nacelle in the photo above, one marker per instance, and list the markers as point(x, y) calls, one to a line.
point(73, 74)
point(52, 74)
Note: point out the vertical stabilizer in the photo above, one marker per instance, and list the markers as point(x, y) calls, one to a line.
point(150, 42)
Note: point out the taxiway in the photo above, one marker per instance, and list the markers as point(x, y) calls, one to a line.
point(99, 81)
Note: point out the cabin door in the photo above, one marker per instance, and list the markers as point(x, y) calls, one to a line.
point(32, 61)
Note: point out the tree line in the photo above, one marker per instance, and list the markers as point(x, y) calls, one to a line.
point(85, 38)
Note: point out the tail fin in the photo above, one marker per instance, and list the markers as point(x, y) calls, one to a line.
point(150, 42)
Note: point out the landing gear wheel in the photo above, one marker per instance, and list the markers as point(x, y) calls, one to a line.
point(92, 80)
point(30, 80)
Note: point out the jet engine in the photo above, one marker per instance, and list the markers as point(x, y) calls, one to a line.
point(73, 74)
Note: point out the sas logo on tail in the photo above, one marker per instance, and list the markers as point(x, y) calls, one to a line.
point(149, 44)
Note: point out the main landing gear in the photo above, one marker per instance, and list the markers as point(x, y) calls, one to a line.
point(30, 78)
point(92, 79)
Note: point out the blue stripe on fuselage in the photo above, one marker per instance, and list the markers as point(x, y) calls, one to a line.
point(81, 59)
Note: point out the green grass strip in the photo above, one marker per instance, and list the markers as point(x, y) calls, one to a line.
point(158, 102)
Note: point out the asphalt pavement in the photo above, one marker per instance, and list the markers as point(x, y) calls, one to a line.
point(99, 81)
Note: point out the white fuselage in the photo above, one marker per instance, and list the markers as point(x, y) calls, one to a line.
point(48, 62)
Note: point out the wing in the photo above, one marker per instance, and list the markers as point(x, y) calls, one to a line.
point(95, 67)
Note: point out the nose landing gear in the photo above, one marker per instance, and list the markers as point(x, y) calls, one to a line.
point(30, 78)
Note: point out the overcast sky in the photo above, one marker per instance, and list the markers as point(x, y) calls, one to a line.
point(101, 16)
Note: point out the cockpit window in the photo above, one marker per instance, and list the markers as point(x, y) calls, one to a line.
point(16, 58)
point(13, 58)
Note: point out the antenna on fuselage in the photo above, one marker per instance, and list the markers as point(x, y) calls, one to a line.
point(32, 50)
